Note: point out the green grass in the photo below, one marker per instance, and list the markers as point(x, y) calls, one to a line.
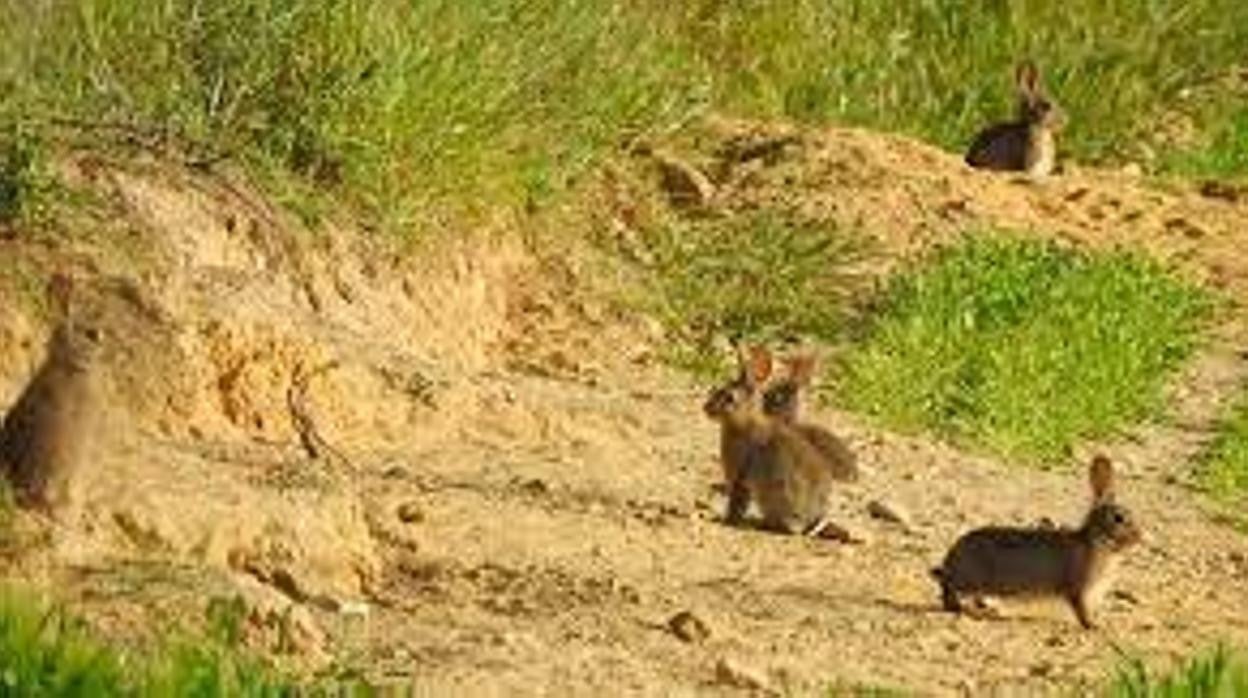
point(760, 277)
point(45, 652)
point(1223, 467)
point(1021, 346)
point(1222, 152)
point(404, 108)
point(25, 183)
point(1216, 674)
point(393, 106)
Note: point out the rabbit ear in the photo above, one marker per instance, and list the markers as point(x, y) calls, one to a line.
point(801, 368)
point(1027, 77)
point(1101, 477)
point(757, 369)
point(60, 290)
point(743, 354)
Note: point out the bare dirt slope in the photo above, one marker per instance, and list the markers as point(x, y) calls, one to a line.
point(461, 468)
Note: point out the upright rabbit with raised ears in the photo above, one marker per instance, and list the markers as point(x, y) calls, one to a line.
point(1077, 565)
point(783, 399)
point(45, 435)
point(1029, 143)
point(765, 459)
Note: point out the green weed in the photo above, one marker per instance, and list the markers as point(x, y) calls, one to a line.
point(1221, 153)
point(1023, 346)
point(1217, 674)
point(25, 184)
point(1223, 467)
point(761, 277)
point(44, 652)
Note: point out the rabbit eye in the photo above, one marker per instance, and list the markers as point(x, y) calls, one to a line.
point(1119, 518)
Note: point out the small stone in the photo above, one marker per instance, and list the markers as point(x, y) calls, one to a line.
point(888, 511)
point(731, 673)
point(1126, 596)
point(1133, 169)
point(689, 627)
point(535, 486)
point(410, 513)
point(830, 530)
point(354, 609)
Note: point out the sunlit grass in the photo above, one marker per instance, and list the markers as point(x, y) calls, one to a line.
point(1217, 674)
point(1022, 346)
point(404, 108)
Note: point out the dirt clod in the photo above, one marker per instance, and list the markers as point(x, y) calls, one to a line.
point(689, 627)
point(831, 530)
point(891, 512)
point(411, 512)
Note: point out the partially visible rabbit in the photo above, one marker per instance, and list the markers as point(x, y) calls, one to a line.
point(782, 400)
point(764, 458)
point(45, 435)
point(1078, 565)
point(1029, 143)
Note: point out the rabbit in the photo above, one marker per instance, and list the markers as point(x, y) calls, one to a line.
point(1029, 143)
point(1077, 564)
point(764, 458)
point(782, 400)
point(45, 435)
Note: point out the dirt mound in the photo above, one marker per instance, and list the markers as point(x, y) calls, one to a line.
point(454, 465)
point(908, 196)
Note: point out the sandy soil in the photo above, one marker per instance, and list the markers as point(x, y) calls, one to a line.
point(510, 497)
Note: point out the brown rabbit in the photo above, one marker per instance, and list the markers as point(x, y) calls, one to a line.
point(782, 400)
point(1027, 144)
point(764, 458)
point(45, 434)
point(1078, 564)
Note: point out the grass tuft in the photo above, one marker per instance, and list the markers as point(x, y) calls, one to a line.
point(1223, 467)
point(25, 183)
point(761, 277)
point(1212, 675)
point(1221, 153)
point(44, 652)
point(1023, 346)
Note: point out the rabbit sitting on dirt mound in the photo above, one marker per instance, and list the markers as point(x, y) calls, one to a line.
point(764, 457)
point(46, 433)
point(1078, 564)
point(782, 400)
point(1028, 144)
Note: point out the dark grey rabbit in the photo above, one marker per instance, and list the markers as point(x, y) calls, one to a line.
point(1029, 143)
point(1078, 565)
